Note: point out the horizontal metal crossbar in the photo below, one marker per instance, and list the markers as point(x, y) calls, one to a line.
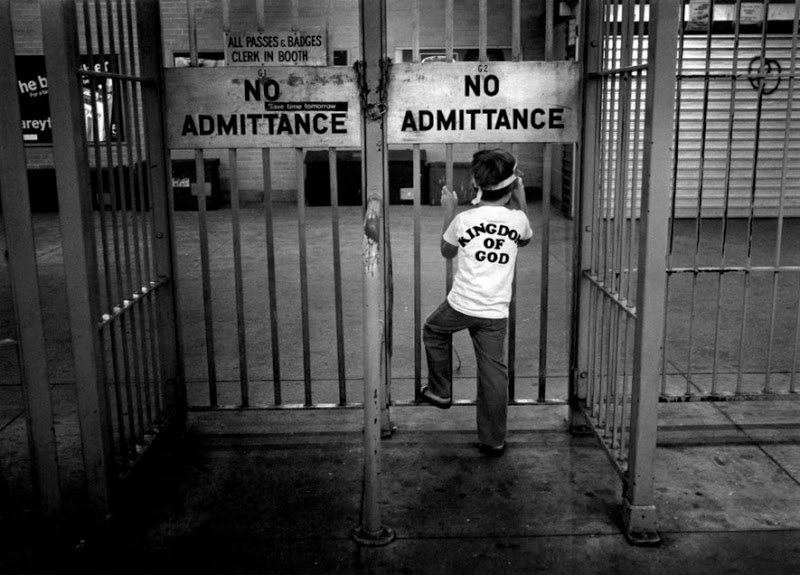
point(623, 303)
point(618, 71)
point(731, 397)
point(115, 76)
point(127, 304)
point(730, 269)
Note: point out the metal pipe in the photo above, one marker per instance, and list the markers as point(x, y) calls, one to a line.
point(59, 22)
point(751, 214)
point(148, 322)
point(784, 170)
point(372, 365)
point(639, 507)
point(119, 296)
point(133, 267)
point(271, 277)
point(337, 273)
point(167, 320)
point(416, 169)
point(107, 270)
point(303, 247)
point(24, 283)
point(233, 167)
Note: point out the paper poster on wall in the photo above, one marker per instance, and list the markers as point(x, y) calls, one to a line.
point(306, 47)
point(281, 107)
point(100, 114)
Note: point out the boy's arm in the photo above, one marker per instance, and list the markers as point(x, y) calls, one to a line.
point(449, 204)
point(519, 202)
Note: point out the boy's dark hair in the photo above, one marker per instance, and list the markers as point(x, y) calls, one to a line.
point(490, 167)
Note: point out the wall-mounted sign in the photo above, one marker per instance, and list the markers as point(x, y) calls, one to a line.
point(471, 102)
point(98, 100)
point(279, 48)
point(236, 107)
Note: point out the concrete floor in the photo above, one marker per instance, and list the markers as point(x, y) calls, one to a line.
point(280, 492)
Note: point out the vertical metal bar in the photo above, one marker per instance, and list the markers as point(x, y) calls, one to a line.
point(726, 201)
point(373, 35)
point(271, 278)
point(592, 130)
point(170, 359)
point(226, 15)
point(602, 355)
point(200, 185)
point(516, 31)
point(107, 270)
point(191, 17)
point(613, 392)
point(640, 515)
point(25, 282)
point(337, 274)
point(303, 247)
point(516, 56)
point(59, 25)
point(415, 25)
point(699, 193)
point(448, 29)
point(129, 230)
point(624, 392)
point(678, 107)
point(624, 186)
point(141, 242)
point(260, 16)
point(784, 170)
point(417, 273)
point(116, 299)
point(449, 36)
point(547, 177)
point(753, 188)
point(483, 30)
point(415, 17)
point(244, 380)
point(205, 267)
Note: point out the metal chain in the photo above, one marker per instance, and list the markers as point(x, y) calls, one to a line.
point(373, 111)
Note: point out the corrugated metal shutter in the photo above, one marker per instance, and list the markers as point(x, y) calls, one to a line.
point(744, 153)
point(744, 156)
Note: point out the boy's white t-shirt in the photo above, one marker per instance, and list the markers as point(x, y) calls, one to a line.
point(487, 238)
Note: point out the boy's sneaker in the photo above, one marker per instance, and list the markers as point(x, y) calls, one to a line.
point(434, 399)
point(490, 451)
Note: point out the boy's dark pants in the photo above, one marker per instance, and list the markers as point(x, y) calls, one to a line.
point(488, 338)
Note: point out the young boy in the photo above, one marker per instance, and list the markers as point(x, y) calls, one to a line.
point(486, 238)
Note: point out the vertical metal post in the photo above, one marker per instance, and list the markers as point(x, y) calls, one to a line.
point(582, 254)
point(547, 169)
point(337, 273)
point(148, 24)
point(59, 31)
point(299, 157)
point(371, 531)
point(25, 281)
point(639, 498)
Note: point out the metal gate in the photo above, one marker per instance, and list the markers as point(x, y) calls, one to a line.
point(689, 287)
point(287, 334)
point(104, 83)
point(630, 56)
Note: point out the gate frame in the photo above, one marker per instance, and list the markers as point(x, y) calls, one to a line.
point(71, 160)
point(24, 277)
point(639, 512)
point(59, 30)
